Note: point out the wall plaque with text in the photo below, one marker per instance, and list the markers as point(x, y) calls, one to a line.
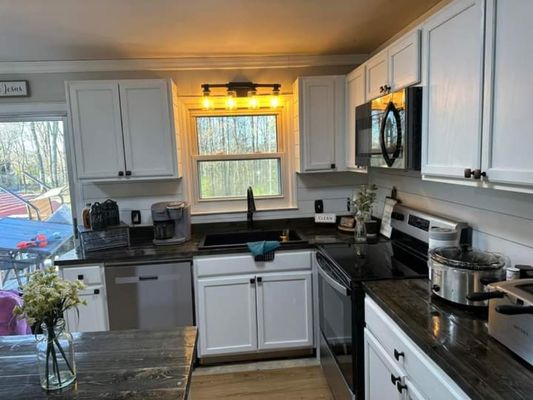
point(14, 89)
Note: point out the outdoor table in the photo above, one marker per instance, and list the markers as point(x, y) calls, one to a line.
point(15, 230)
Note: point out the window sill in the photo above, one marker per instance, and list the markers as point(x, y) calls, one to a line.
point(257, 211)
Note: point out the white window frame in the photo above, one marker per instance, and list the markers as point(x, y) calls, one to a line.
point(54, 111)
point(237, 205)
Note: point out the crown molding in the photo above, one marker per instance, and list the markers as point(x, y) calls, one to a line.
point(180, 64)
point(32, 108)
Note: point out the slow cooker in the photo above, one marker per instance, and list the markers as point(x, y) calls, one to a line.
point(459, 271)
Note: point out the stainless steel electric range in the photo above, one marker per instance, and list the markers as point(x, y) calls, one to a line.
point(342, 268)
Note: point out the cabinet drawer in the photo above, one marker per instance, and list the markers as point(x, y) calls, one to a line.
point(244, 263)
point(88, 275)
point(423, 371)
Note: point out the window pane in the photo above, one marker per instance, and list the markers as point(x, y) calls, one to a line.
point(220, 179)
point(237, 134)
point(34, 188)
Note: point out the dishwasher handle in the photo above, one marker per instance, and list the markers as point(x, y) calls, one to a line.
point(149, 278)
point(137, 279)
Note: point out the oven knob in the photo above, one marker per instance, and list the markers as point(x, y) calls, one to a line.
point(436, 288)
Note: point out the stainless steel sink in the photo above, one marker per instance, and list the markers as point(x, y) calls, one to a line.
point(239, 239)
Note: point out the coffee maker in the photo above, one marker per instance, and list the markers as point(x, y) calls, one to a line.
point(172, 222)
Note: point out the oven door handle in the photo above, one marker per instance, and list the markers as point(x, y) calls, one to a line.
point(333, 283)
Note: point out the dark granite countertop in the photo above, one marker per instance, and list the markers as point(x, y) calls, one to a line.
point(456, 339)
point(129, 364)
point(141, 248)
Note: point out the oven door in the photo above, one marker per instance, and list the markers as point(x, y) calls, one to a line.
point(335, 318)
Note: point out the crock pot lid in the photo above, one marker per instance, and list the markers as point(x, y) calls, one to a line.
point(438, 233)
point(467, 258)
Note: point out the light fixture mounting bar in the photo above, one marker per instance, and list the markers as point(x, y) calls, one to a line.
point(241, 89)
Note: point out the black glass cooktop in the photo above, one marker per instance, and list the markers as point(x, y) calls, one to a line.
point(388, 259)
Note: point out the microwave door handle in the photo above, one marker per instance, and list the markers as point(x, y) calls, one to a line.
point(391, 108)
point(333, 283)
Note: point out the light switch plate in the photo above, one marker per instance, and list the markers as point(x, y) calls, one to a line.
point(325, 218)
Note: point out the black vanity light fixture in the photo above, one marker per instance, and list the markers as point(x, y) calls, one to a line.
point(241, 90)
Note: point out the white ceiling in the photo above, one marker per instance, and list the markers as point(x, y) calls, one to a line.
point(47, 30)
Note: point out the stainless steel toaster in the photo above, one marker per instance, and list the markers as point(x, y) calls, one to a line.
point(511, 316)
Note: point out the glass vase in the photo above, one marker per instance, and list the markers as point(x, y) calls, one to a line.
point(360, 229)
point(55, 355)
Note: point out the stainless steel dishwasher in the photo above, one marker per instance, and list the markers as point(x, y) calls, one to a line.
point(149, 296)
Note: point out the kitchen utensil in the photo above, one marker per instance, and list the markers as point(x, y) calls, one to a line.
point(457, 272)
point(511, 315)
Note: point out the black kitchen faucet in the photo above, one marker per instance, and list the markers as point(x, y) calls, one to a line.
point(251, 207)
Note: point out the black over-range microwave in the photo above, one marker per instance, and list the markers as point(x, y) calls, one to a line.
point(388, 130)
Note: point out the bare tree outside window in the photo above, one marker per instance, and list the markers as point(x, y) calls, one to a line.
point(32, 164)
point(237, 151)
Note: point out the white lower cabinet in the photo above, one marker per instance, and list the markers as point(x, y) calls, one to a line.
point(263, 310)
point(381, 376)
point(392, 356)
point(227, 315)
point(91, 317)
point(284, 310)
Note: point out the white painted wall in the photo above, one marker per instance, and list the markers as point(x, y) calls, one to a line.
point(502, 221)
point(332, 188)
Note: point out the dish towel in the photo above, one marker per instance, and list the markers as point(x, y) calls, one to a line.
point(264, 250)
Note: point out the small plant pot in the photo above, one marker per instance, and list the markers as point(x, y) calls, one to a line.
point(372, 232)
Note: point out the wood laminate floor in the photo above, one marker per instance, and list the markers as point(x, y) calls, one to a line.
point(298, 383)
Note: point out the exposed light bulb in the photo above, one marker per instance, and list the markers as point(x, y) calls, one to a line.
point(253, 101)
point(206, 102)
point(230, 102)
point(274, 101)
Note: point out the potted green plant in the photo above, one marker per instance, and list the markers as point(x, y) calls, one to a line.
point(362, 203)
point(46, 298)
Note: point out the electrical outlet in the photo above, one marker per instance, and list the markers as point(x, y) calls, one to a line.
point(325, 218)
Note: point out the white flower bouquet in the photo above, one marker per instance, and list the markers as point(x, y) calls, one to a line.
point(46, 298)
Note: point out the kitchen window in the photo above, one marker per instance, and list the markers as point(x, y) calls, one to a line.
point(232, 150)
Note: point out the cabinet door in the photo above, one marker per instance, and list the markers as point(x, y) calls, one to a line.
point(226, 315)
point(284, 310)
point(149, 140)
point(412, 392)
point(97, 129)
point(381, 376)
point(91, 317)
point(319, 102)
point(355, 96)
point(377, 75)
point(404, 61)
point(508, 142)
point(452, 105)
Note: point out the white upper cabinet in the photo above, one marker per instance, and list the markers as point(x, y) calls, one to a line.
point(377, 75)
point(148, 129)
point(123, 129)
point(508, 138)
point(395, 67)
point(97, 129)
point(319, 122)
point(453, 88)
point(355, 96)
point(404, 61)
